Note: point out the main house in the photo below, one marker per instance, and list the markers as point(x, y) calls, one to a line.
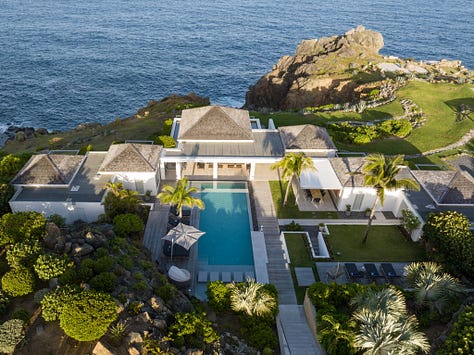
point(222, 143)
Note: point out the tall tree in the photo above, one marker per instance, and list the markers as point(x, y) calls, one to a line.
point(380, 172)
point(291, 166)
point(180, 196)
point(120, 201)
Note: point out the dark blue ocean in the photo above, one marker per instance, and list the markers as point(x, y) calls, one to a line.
point(64, 62)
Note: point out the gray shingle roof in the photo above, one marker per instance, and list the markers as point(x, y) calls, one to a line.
point(49, 169)
point(451, 187)
point(348, 169)
point(306, 136)
point(131, 157)
point(215, 123)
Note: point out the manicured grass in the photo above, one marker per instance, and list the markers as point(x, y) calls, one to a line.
point(299, 257)
point(385, 243)
point(291, 209)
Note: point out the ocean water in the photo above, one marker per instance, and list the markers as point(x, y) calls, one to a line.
point(65, 62)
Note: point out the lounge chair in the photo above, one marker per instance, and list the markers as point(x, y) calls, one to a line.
point(238, 276)
point(226, 277)
point(180, 277)
point(389, 271)
point(372, 272)
point(202, 276)
point(352, 272)
point(214, 276)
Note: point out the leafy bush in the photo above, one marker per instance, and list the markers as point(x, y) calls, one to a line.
point(4, 302)
point(127, 224)
point(218, 296)
point(293, 227)
point(105, 281)
point(6, 193)
point(21, 226)
point(461, 338)
point(22, 314)
point(18, 282)
point(58, 220)
point(451, 241)
point(125, 261)
point(104, 263)
point(50, 265)
point(261, 335)
point(165, 141)
point(85, 149)
point(10, 165)
point(167, 125)
point(69, 277)
point(11, 333)
point(23, 254)
point(410, 221)
point(53, 302)
point(87, 316)
point(192, 330)
point(133, 308)
point(166, 292)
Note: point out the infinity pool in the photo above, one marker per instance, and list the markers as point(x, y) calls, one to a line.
point(226, 222)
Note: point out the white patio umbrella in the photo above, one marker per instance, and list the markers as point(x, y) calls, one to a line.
point(184, 235)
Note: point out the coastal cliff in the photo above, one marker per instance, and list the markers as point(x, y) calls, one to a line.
point(336, 70)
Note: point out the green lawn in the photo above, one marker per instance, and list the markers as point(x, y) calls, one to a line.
point(291, 210)
point(385, 243)
point(300, 257)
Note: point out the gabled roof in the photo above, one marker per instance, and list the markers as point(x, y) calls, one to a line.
point(447, 187)
point(306, 136)
point(49, 169)
point(131, 157)
point(215, 123)
point(349, 171)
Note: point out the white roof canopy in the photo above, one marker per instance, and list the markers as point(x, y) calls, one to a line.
point(323, 177)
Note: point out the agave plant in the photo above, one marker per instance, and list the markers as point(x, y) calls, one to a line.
point(433, 287)
point(251, 298)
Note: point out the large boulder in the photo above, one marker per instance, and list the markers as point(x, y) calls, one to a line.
point(82, 250)
point(317, 73)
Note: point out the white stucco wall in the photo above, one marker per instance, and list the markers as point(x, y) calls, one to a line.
point(150, 181)
point(86, 211)
point(348, 196)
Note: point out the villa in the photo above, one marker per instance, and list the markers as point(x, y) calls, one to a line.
point(222, 143)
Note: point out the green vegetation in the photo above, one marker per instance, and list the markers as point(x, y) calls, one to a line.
point(21, 226)
point(387, 243)
point(180, 196)
point(218, 296)
point(48, 266)
point(128, 224)
point(11, 333)
point(18, 282)
point(461, 340)
point(300, 256)
point(277, 189)
point(450, 241)
point(23, 254)
point(120, 201)
point(193, 330)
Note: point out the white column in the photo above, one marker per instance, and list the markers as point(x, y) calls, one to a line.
point(252, 171)
point(162, 171)
point(178, 171)
point(214, 170)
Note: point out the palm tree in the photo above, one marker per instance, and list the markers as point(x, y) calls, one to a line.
point(180, 196)
point(114, 187)
point(292, 165)
point(120, 200)
point(251, 298)
point(385, 326)
point(334, 337)
point(433, 287)
point(380, 172)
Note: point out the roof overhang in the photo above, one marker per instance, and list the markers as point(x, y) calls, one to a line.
point(323, 178)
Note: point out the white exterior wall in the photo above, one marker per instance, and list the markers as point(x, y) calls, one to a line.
point(393, 199)
point(150, 181)
point(86, 211)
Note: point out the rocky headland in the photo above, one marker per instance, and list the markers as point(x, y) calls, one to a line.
point(340, 69)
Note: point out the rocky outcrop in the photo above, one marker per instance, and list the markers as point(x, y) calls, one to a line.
point(319, 73)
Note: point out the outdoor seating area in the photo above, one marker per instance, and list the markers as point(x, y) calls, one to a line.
point(361, 272)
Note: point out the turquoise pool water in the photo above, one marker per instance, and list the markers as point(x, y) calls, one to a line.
point(226, 223)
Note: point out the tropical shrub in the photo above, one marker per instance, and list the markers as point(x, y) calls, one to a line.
point(23, 254)
point(259, 332)
point(11, 333)
point(127, 224)
point(252, 299)
point(58, 220)
point(192, 330)
point(122, 201)
point(18, 282)
point(461, 339)
point(48, 266)
point(87, 316)
point(4, 302)
point(105, 281)
point(21, 226)
point(6, 193)
point(165, 141)
point(104, 263)
point(167, 125)
point(218, 296)
point(53, 302)
point(410, 221)
point(166, 292)
point(450, 241)
point(10, 165)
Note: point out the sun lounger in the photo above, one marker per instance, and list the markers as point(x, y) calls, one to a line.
point(214, 276)
point(226, 276)
point(352, 272)
point(249, 274)
point(389, 271)
point(238, 276)
point(371, 271)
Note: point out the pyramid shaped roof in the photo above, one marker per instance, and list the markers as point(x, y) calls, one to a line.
point(306, 136)
point(49, 169)
point(131, 157)
point(215, 123)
